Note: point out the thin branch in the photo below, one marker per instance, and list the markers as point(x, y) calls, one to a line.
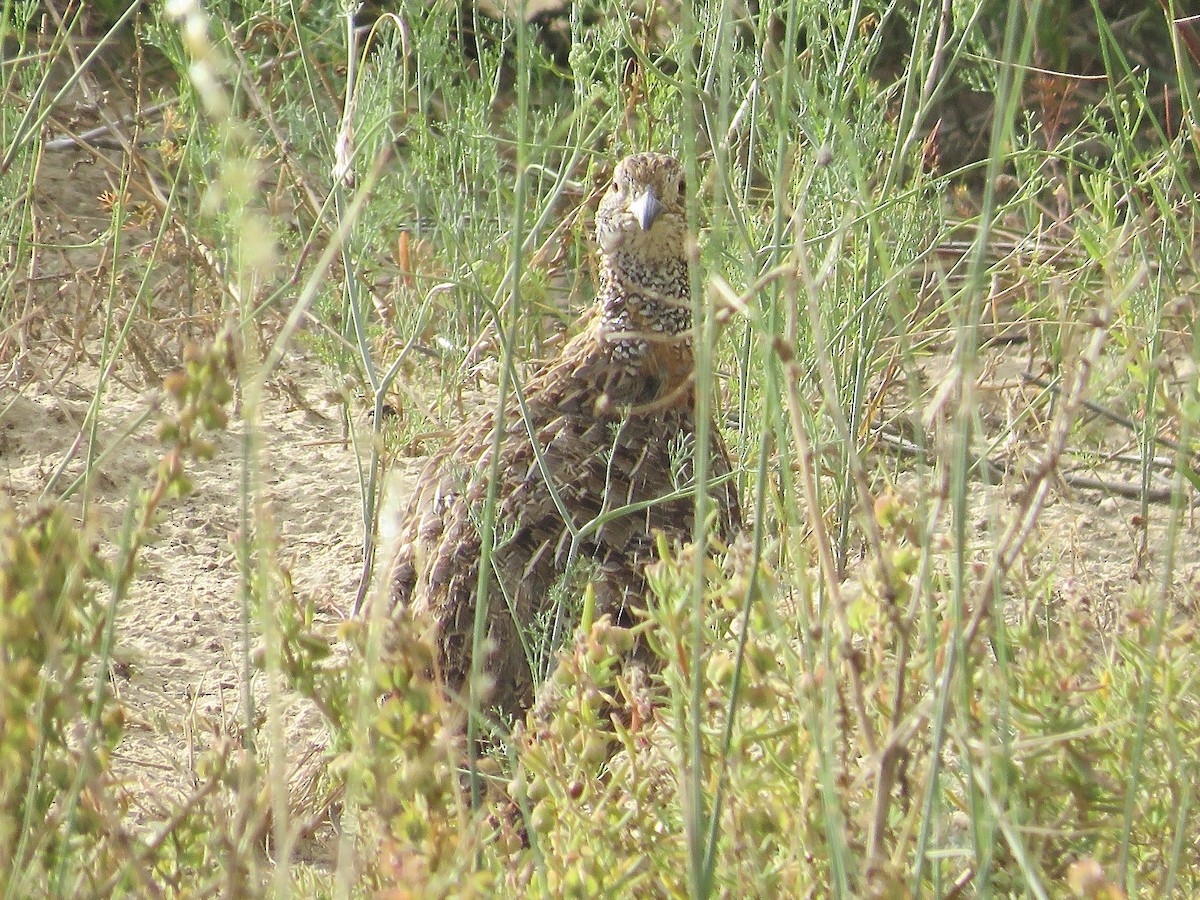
point(981, 465)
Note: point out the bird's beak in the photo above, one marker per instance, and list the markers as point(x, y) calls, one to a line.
point(646, 208)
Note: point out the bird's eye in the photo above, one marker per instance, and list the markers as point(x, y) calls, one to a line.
point(682, 186)
point(615, 187)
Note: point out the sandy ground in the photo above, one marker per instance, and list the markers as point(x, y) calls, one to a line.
point(179, 652)
point(180, 632)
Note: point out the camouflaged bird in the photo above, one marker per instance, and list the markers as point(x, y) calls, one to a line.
point(613, 419)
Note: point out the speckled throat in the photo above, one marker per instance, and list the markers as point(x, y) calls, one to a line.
point(644, 306)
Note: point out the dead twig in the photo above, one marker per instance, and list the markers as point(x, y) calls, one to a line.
point(109, 135)
point(981, 465)
point(1105, 412)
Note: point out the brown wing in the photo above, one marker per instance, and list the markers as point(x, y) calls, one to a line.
point(597, 462)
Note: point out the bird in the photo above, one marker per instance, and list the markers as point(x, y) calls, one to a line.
point(609, 423)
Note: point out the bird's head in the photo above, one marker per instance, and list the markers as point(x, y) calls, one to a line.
point(644, 210)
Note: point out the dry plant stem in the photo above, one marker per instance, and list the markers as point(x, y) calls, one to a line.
point(897, 739)
point(829, 390)
point(890, 756)
point(1034, 495)
point(102, 136)
point(1030, 506)
point(1129, 489)
point(93, 137)
point(959, 887)
point(181, 815)
point(936, 62)
point(1116, 418)
point(829, 566)
point(249, 84)
point(980, 464)
point(939, 52)
point(30, 308)
point(816, 522)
